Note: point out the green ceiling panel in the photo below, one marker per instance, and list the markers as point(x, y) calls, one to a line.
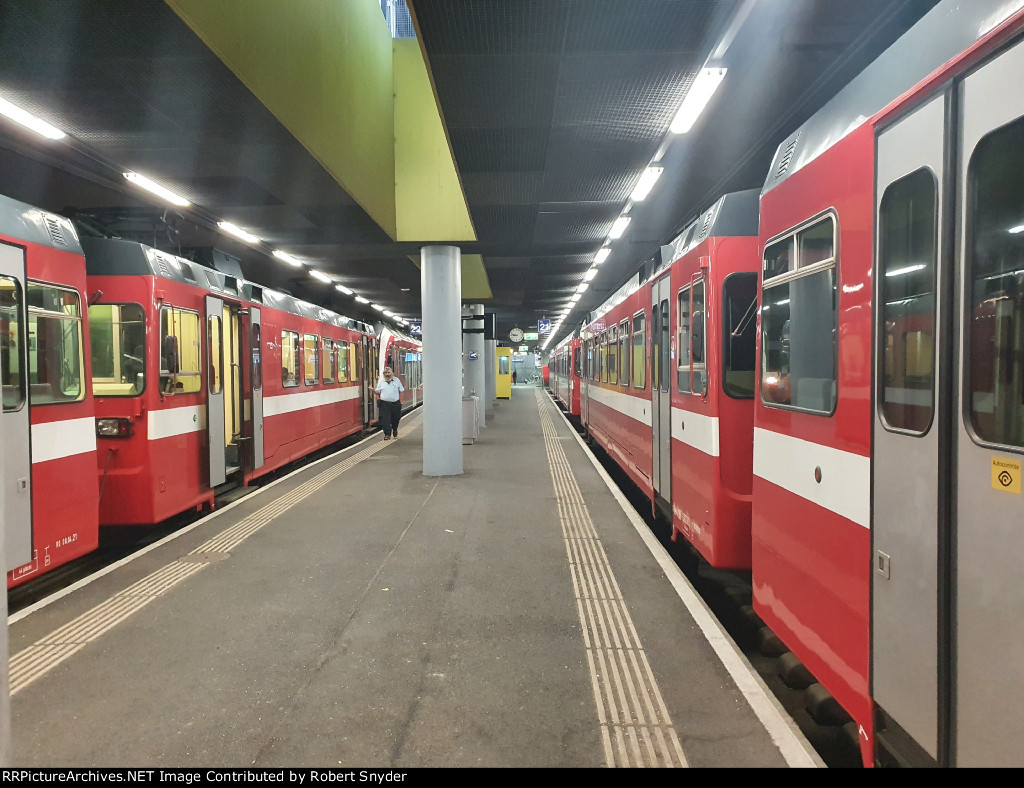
point(428, 193)
point(325, 70)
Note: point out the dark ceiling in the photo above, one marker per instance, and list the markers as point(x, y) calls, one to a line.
point(552, 107)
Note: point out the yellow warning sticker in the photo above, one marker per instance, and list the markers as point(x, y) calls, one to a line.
point(1006, 474)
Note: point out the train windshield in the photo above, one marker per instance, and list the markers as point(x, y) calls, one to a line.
point(995, 275)
point(117, 335)
point(55, 345)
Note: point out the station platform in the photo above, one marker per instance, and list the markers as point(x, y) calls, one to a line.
point(359, 614)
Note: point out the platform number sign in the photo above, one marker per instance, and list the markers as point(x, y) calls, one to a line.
point(543, 326)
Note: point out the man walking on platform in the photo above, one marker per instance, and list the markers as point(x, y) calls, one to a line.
point(389, 391)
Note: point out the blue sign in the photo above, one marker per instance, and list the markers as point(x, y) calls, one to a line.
point(473, 356)
point(543, 326)
point(415, 327)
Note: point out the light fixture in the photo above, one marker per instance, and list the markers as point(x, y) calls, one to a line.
point(378, 307)
point(29, 121)
point(238, 232)
point(582, 286)
point(156, 188)
point(589, 275)
point(388, 314)
point(697, 97)
point(287, 258)
point(345, 290)
point(907, 270)
point(1018, 229)
point(602, 255)
point(362, 300)
point(575, 297)
point(646, 182)
point(320, 275)
point(619, 227)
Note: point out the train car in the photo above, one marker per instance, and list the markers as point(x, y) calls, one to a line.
point(564, 375)
point(202, 379)
point(685, 435)
point(702, 475)
point(48, 420)
point(404, 354)
point(615, 397)
point(889, 429)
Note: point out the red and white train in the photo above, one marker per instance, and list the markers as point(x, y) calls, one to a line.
point(863, 457)
point(564, 375)
point(136, 383)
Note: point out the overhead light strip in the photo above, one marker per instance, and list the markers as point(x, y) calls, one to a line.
point(30, 121)
point(152, 186)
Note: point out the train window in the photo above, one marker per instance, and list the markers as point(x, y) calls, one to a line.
point(328, 360)
point(995, 279)
point(613, 354)
point(342, 361)
point(739, 310)
point(907, 253)
point(179, 351)
point(12, 341)
point(215, 339)
point(798, 320)
point(117, 336)
point(602, 358)
point(575, 362)
point(289, 358)
point(55, 346)
point(353, 361)
point(639, 357)
point(257, 356)
point(624, 353)
point(309, 360)
point(691, 370)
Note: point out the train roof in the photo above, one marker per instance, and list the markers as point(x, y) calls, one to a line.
point(951, 27)
point(733, 214)
point(113, 256)
point(31, 224)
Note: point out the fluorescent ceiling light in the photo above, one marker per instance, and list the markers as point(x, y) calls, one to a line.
point(589, 275)
point(388, 314)
point(602, 255)
point(697, 97)
point(156, 188)
point(238, 232)
point(29, 121)
point(320, 275)
point(908, 270)
point(378, 307)
point(287, 258)
point(1018, 229)
point(619, 227)
point(345, 290)
point(582, 286)
point(362, 300)
point(646, 182)
point(576, 297)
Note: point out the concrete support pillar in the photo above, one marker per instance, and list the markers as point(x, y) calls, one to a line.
point(491, 371)
point(441, 288)
point(476, 363)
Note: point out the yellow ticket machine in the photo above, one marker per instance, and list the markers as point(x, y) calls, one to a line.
point(503, 370)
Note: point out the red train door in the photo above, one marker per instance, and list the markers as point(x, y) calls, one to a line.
point(256, 385)
point(17, 460)
point(661, 395)
point(215, 431)
point(911, 478)
point(947, 602)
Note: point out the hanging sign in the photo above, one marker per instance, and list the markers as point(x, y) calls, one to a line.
point(543, 326)
point(530, 335)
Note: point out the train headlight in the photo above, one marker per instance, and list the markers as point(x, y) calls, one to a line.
point(114, 428)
